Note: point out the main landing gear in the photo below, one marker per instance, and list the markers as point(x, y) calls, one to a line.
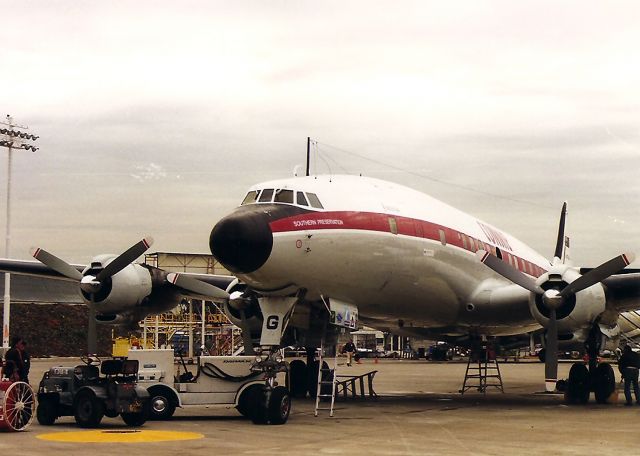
point(598, 377)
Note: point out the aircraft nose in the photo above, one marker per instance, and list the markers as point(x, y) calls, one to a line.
point(242, 241)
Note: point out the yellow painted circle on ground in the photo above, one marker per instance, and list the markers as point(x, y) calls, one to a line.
point(119, 436)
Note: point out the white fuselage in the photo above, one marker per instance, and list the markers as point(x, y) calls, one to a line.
point(402, 257)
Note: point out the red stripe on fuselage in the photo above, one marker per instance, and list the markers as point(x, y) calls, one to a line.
point(385, 223)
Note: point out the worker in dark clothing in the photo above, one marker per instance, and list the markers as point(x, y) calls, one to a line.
point(349, 348)
point(26, 363)
point(13, 360)
point(629, 365)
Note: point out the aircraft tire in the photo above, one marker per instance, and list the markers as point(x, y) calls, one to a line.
point(259, 411)
point(279, 406)
point(249, 400)
point(578, 386)
point(605, 382)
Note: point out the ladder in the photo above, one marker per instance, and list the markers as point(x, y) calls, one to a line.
point(482, 367)
point(324, 381)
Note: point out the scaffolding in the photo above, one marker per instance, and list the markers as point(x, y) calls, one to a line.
point(194, 326)
point(183, 330)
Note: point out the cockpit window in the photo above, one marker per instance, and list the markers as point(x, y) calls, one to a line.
point(315, 202)
point(250, 198)
point(284, 196)
point(302, 200)
point(266, 195)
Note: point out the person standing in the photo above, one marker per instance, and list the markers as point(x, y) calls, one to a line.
point(629, 365)
point(349, 348)
point(14, 361)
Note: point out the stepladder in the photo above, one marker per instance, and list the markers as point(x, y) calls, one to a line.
point(483, 371)
point(326, 385)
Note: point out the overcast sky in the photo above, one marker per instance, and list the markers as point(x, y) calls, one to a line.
point(155, 117)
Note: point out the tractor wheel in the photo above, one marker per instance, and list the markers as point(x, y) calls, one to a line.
point(88, 410)
point(134, 419)
point(162, 405)
point(47, 411)
point(279, 406)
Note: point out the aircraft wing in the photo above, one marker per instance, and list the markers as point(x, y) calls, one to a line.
point(623, 290)
point(33, 268)
point(37, 269)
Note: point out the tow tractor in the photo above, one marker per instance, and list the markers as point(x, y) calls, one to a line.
point(81, 391)
point(229, 381)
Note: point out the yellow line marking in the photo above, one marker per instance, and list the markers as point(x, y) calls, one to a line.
point(119, 436)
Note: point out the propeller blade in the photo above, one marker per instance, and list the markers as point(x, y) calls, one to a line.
point(125, 259)
point(557, 256)
point(246, 335)
point(598, 274)
point(509, 272)
point(196, 286)
point(56, 264)
point(551, 354)
point(92, 330)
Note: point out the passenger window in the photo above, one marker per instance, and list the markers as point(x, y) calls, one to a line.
point(284, 196)
point(302, 200)
point(314, 201)
point(443, 237)
point(250, 198)
point(266, 195)
point(393, 225)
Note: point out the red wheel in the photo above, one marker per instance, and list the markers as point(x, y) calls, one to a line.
point(17, 406)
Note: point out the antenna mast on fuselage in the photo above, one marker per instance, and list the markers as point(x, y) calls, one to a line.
point(308, 154)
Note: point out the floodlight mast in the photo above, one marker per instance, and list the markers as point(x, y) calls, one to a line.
point(11, 138)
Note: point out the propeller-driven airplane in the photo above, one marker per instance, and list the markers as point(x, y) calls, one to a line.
point(404, 261)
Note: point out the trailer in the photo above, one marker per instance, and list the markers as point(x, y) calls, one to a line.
point(227, 381)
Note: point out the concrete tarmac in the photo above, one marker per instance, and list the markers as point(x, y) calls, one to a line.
point(419, 412)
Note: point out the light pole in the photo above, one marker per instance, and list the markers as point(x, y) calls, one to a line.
point(11, 138)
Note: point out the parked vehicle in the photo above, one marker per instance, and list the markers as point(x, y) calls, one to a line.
point(441, 351)
point(227, 381)
point(91, 390)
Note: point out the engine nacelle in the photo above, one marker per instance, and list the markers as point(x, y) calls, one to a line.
point(241, 300)
point(122, 292)
point(578, 313)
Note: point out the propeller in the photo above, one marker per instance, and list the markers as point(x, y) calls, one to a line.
point(196, 286)
point(553, 298)
point(89, 283)
point(55, 263)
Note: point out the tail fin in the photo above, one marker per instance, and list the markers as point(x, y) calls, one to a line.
point(561, 254)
